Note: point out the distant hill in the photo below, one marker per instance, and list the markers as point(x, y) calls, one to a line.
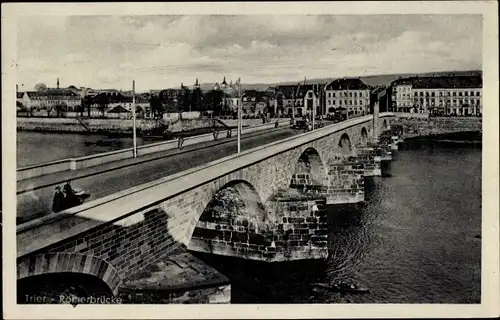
point(375, 80)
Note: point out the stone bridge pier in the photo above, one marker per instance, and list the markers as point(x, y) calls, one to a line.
point(290, 224)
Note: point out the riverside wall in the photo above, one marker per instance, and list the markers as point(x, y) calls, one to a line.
point(421, 127)
point(121, 126)
point(73, 125)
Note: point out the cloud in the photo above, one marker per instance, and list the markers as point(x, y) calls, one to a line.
point(162, 51)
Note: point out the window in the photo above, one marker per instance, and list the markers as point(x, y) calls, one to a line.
point(360, 102)
point(333, 102)
point(355, 102)
point(340, 102)
point(360, 94)
point(329, 101)
point(334, 94)
point(345, 102)
point(477, 93)
point(350, 102)
point(454, 94)
point(421, 93)
point(355, 94)
point(466, 93)
point(416, 94)
point(432, 94)
point(460, 94)
point(350, 94)
point(329, 94)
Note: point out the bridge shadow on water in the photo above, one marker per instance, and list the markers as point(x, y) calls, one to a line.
point(261, 282)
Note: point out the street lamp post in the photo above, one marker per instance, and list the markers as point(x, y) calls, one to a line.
point(239, 115)
point(133, 117)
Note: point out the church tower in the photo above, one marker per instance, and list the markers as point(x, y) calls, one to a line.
point(224, 84)
point(196, 85)
point(58, 83)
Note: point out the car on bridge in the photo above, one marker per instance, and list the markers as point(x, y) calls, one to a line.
point(298, 123)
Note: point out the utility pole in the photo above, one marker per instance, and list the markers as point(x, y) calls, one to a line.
point(313, 111)
point(133, 117)
point(347, 106)
point(387, 101)
point(239, 114)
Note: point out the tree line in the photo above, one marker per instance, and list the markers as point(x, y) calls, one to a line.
point(171, 101)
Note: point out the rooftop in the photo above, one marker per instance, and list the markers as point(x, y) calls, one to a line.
point(52, 93)
point(298, 90)
point(347, 84)
point(444, 82)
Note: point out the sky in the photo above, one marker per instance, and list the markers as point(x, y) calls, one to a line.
point(162, 51)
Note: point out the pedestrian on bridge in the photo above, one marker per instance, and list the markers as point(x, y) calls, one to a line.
point(58, 203)
point(71, 199)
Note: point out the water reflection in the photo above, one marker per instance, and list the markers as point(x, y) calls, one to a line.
point(37, 147)
point(415, 240)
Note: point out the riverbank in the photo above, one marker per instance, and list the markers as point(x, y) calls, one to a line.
point(466, 137)
point(111, 127)
point(124, 127)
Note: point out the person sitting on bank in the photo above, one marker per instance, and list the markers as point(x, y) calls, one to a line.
point(58, 203)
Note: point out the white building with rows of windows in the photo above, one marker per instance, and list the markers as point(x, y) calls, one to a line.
point(349, 94)
point(450, 95)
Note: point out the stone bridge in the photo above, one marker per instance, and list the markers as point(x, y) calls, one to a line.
point(265, 204)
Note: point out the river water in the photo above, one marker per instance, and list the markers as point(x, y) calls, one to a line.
point(36, 147)
point(415, 240)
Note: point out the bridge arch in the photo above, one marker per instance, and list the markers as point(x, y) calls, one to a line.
point(309, 169)
point(234, 207)
point(69, 265)
point(345, 146)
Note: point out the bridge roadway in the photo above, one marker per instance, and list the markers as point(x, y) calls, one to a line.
point(35, 195)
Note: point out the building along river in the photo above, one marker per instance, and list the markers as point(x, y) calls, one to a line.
point(415, 240)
